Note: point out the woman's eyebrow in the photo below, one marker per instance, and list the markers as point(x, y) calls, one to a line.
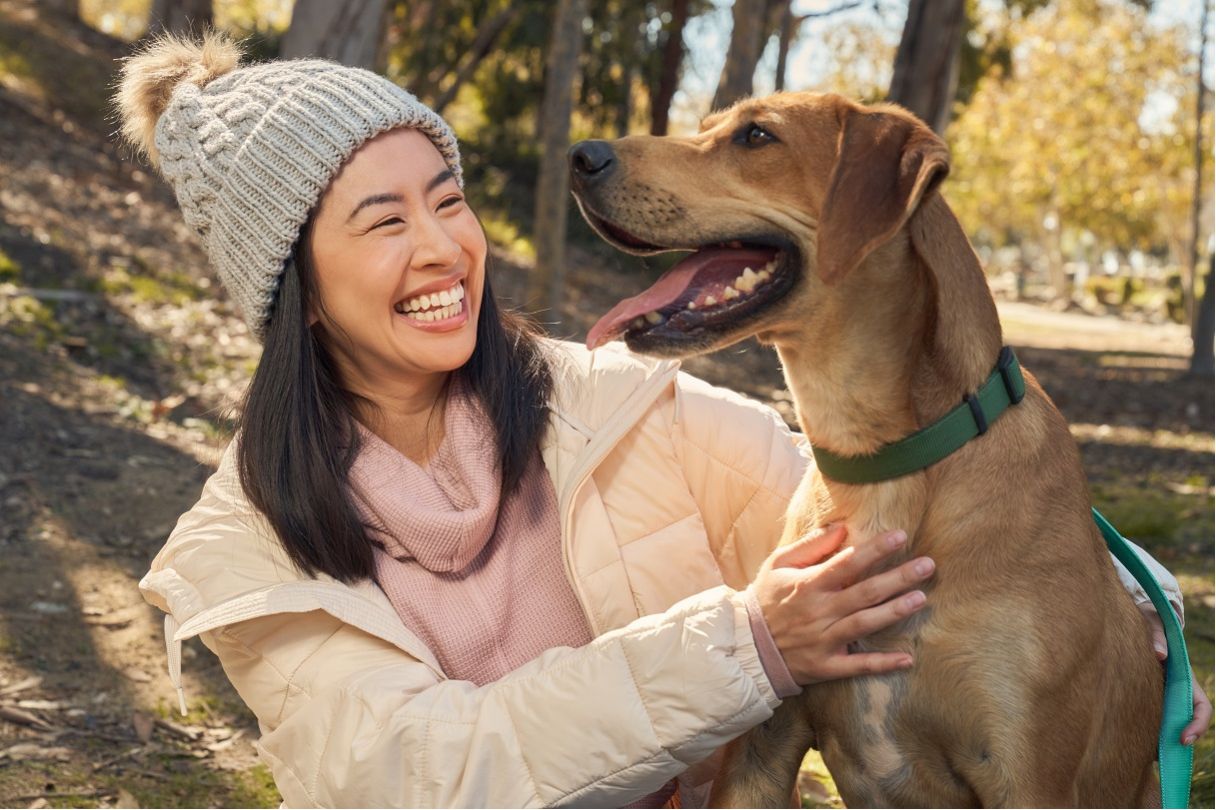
point(375, 199)
point(439, 180)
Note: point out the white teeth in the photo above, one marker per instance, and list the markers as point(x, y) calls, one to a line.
point(653, 317)
point(692, 304)
point(710, 301)
point(432, 301)
point(729, 294)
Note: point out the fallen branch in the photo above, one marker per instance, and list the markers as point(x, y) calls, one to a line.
point(23, 718)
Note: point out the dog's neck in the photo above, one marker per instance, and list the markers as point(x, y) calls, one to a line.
point(898, 344)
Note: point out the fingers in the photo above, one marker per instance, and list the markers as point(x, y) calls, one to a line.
point(864, 622)
point(882, 587)
point(1203, 714)
point(810, 549)
point(1159, 645)
point(876, 663)
point(849, 565)
point(1155, 628)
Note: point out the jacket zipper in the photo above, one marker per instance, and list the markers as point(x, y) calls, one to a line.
point(604, 440)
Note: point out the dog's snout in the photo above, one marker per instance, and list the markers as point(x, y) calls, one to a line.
point(591, 160)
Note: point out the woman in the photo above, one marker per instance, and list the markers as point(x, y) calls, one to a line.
point(447, 562)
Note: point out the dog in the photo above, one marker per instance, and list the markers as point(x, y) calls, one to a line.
point(817, 225)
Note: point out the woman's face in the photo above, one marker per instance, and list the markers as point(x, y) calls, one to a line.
point(400, 265)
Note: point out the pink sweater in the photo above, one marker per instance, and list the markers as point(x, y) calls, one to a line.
point(480, 578)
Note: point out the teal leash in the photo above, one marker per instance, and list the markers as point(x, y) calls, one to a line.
point(1174, 759)
point(1004, 389)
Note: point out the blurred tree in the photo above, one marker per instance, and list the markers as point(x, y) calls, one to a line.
point(927, 63)
point(672, 44)
point(347, 31)
point(181, 17)
point(552, 185)
point(1074, 144)
point(66, 8)
point(487, 33)
point(746, 45)
point(1201, 357)
point(1192, 253)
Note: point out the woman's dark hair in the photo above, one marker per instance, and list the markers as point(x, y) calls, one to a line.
point(297, 427)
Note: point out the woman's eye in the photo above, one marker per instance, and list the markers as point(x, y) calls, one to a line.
point(389, 221)
point(451, 201)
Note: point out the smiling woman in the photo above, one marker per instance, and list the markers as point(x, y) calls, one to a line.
point(448, 562)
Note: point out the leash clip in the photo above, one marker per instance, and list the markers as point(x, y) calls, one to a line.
point(1004, 365)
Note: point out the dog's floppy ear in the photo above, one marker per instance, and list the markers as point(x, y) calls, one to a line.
point(885, 165)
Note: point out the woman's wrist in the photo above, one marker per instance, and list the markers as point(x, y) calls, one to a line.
point(775, 668)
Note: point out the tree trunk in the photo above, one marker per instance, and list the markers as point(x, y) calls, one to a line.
point(348, 32)
point(63, 8)
point(624, 109)
point(486, 36)
point(181, 17)
point(1192, 253)
point(1201, 360)
point(669, 72)
point(552, 185)
point(785, 37)
point(926, 63)
point(746, 45)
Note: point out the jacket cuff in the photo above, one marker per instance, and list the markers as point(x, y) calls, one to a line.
point(1169, 584)
point(778, 673)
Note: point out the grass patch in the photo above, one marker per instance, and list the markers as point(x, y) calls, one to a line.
point(164, 288)
point(10, 271)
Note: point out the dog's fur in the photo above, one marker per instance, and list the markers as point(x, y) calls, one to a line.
point(1034, 683)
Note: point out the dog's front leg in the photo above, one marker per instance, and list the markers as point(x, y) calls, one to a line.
point(760, 768)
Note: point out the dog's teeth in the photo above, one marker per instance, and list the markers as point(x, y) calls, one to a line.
point(763, 276)
point(692, 305)
point(729, 294)
point(653, 317)
point(710, 300)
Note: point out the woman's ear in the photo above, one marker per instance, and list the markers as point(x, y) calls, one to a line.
point(886, 163)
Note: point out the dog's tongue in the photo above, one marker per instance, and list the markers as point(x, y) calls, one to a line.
point(715, 262)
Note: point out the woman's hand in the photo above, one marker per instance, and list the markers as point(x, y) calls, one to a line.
point(815, 603)
point(1203, 706)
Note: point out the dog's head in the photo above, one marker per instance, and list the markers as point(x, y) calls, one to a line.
point(778, 198)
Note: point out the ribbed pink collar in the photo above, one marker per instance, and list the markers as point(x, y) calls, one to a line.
point(441, 516)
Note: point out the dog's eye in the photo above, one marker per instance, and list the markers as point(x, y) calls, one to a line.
point(754, 135)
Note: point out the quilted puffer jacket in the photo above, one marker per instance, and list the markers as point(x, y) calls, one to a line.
point(670, 493)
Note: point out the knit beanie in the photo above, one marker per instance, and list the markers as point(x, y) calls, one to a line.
point(249, 150)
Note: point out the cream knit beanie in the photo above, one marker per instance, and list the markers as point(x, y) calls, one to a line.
point(249, 150)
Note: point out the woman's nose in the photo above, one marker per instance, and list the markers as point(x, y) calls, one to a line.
point(435, 246)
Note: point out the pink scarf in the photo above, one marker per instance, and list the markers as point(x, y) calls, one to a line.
point(479, 578)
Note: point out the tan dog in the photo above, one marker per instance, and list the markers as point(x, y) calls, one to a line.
point(1034, 684)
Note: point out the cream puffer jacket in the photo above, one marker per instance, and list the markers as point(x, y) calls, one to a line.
point(670, 492)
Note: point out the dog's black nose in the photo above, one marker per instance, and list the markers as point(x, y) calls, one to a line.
point(591, 160)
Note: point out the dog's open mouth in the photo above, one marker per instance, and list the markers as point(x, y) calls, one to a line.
point(713, 288)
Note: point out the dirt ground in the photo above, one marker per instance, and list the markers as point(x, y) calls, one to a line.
point(120, 361)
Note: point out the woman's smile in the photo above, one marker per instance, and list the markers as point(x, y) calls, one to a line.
point(435, 311)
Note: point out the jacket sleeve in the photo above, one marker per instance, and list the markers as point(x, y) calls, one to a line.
point(352, 721)
point(743, 479)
